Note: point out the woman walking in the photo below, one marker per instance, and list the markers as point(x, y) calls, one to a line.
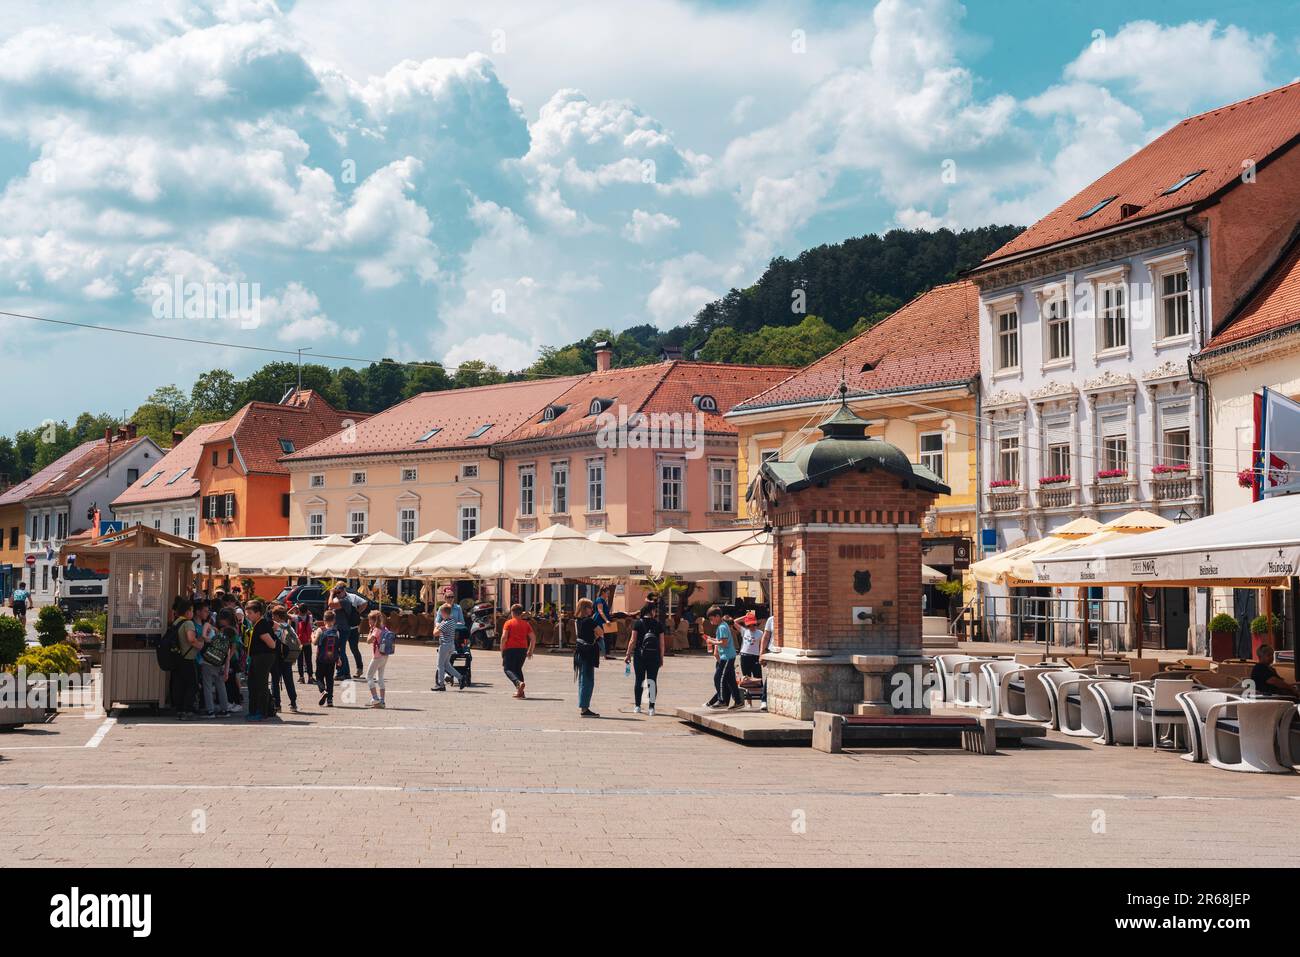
point(517, 642)
point(646, 652)
point(586, 657)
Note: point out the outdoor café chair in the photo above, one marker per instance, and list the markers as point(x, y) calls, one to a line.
point(1194, 704)
point(1052, 681)
point(1081, 661)
point(945, 677)
point(966, 683)
point(1023, 696)
point(995, 681)
point(1257, 739)
point(1112, 669)
point(1144, 667)
point(1079, 713)
point(1116, 699)
point(1214, 680)
point(1157, 704)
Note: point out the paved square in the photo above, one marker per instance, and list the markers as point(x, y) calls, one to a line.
point(478, 778)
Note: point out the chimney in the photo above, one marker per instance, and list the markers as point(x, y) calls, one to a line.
point(108, 434)
point(604, 356)
point(177, 437)
point(130, 430)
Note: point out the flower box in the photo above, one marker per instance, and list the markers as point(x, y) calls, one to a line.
point(1112, 474)
point(1054, 480)
point(1246, 478)
point(1170, 470)
point(1002, 483)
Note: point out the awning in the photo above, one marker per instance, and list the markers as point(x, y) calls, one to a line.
point(1010, 567)
point(1252, 546)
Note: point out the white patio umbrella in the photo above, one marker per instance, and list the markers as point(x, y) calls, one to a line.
point(932, 576)
point(754, 552)
point(456, 562)
point(396, 563)
point(295, 562)
point(558, 553)
point(673, 552)
point(602, 537)
point(353, 562)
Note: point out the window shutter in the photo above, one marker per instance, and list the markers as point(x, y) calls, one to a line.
point(1174, 417)
point(1058, 432)
point(1114, 425)
point(284, 505)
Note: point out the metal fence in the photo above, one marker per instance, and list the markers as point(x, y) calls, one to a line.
point(1057, 622)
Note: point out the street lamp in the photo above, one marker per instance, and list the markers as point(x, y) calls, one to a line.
point(1182, 516)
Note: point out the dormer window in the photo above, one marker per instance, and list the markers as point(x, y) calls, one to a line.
point(705, 403)
point(598, 406)
point(553, 412)
point(1099, 207)
point(867, 366)
point(430, 434)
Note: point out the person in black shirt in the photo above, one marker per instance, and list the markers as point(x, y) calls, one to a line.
point(586, 657)
point(1267, 680)
point(646, 652)
point(262, 658)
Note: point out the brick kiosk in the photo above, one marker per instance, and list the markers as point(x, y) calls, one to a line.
point(846, 570)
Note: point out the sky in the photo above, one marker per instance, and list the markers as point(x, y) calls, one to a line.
point(475, 180)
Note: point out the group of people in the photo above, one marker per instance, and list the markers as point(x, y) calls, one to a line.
point(749, 648)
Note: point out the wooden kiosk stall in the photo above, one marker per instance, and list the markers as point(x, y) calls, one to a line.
point(147, 569)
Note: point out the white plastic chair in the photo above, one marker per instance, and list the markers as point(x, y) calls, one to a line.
point(966, 683)
point(1156, 703)
point(1051, 681)
point(1079, 713)
point(994, 684)
point(1116, 699)
point(944, 670)
point(1112, 669)
point(1195, 704)
point(1261, 743)
point(1023, 696)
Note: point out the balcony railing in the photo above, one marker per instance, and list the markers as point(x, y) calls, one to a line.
point(1005, 500)
point(1056, 496)
point(1112, 492)
point(1169, 488)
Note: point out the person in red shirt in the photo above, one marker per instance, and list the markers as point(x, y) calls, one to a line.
point(517, 642)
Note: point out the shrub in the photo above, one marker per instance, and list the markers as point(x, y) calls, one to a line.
point(407, 602)
point(56, 659)
point(51, 626)
point(1259, 625)
point(13, 639)
point(953, 589)
point(1222, 622)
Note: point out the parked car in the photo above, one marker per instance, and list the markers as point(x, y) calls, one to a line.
point(312, 597)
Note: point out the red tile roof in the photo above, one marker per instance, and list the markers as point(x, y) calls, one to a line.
point(160, 483)
point(932, 341)
point(457, 413)
point(1216, 142)
point(303, 419)
point(88, 466)
point(663, 387)
point(1273, 306)
point(25, 489)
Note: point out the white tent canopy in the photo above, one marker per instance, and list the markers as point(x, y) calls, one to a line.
point(1252, 546)
point(397, 563)
point(673, 552)
point(456, 562)
point(352, 562)
point(557, 553)
point(295, 561)
point(602, 537)
point(756, 552)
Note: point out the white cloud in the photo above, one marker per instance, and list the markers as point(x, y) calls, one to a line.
point(644, 227)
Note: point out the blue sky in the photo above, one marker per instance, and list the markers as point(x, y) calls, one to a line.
point(475, 180)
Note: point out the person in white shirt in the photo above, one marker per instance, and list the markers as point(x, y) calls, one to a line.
point(769, 645)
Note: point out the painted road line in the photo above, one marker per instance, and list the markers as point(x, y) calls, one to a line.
point(101, 732)
point(464, 728)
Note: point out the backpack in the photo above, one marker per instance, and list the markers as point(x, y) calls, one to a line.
point(387, 642)
point(168, 648)
point(328, 645)
point(214, 652)
point(648, 637)
point(290, 644)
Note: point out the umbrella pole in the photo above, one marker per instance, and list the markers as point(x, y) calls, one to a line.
point(1087, 626)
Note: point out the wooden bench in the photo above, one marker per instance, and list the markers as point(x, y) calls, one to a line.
point(978, 734)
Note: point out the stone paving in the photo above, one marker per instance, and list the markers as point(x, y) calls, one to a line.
point(478, 778)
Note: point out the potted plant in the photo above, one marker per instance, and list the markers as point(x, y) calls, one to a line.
point(1259, 629)
point(1054, 480)
point(1002, 483)
point(1223, 636)
point(51, 626)
point(1246, 478)
point(1178, 469)
point(1106, 474)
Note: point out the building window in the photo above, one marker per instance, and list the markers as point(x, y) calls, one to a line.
point(1057, 316)
point(672, 486)
point(230, 505)
point(595, 485)
point(316, 524)
point(480, 431)
point(560, 488)
point(1009, 459)
point(189, 527)
point(406, 529)
point(1114, 453)
point(769, 455)
point(176, 526)
point(214, 458)
point(358, 478)
point(722, 487)
point(317, 481)
point(1058, 459)
point(13, 536)
point(1008, 340)
point(527, 489)
point(1175, 305)
point(211, 510)
point(468, 522)
point(61, 524)
point(931, 449)
point(410, 475)
point(357, 523)
point(36, 528)
point(287, 446)
point(1114, 318)
point(1177, 447)
point(469, 470)
point(230, 455)
point(132, 476)
point(46, 525)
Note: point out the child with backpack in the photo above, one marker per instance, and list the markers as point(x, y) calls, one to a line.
point(382, 644)
point(287, 648)
point(304, 624)
point(326, 641)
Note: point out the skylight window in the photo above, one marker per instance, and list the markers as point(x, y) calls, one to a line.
point(86, 472)
point(478, 433)
point(286, 446)
point(152, 478)
point(1182, 182)
point(430, 434)
point(1099, 207)
point(175, 478)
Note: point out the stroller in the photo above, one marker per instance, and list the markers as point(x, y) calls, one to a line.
point(462, 658)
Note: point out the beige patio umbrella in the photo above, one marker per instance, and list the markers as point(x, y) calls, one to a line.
point(295, 562)
point(455, 562)
point(558, 553)
point(997, 569)
point(754, 553)
point(673, 552)
point(602, 537)
point(1020, 569)
point(397, 563)
point(932, 576)
point(352, 562)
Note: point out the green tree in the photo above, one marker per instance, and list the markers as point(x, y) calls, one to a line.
point(476, 372)
point(214, 394)
point(384, 382)
point(427, 377)
point(174, 403)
